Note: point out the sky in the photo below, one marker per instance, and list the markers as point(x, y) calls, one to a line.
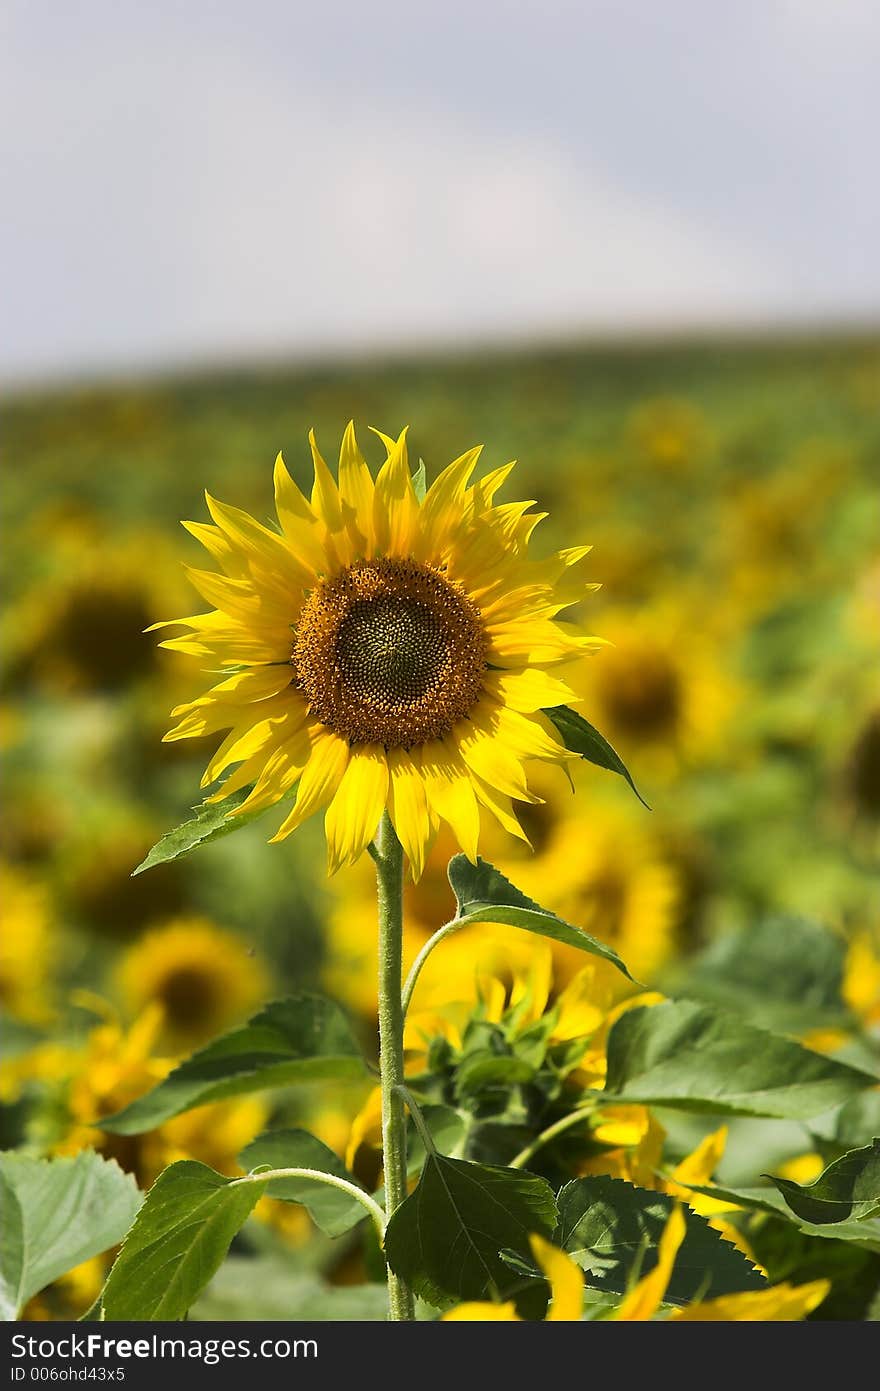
point(192, 182)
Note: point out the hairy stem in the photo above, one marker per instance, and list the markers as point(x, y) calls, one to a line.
point(388, 857)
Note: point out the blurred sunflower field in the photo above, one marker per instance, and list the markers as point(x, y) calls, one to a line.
point(731, 493)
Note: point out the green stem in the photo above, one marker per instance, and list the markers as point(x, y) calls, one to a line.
point(416, 969)
point(418, 1120)
point(388, 855)
point(549, 1134)
point(319, 1176)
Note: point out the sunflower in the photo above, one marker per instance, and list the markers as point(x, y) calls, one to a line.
point(199, 976)
point(614, 881)
point(664, 687)
point(27, 948)
point(382, 651)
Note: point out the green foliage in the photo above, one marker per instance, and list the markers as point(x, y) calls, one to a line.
point(781, 972)
point(582, 738)
point(330, 1208)
point(692, 1056)
point(484, 895)
point(612, 1229)
point(57, 1213)
point(848, 1189)
point(304, 1038)
point(765, 1199)
point(179, 1239)
point(249, 1288)
point(446, 1238)
point(210, 823)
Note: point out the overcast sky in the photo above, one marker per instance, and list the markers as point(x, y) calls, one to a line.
point(189, 181)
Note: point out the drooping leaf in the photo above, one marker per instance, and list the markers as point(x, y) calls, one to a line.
point(849, 1189)
point(692, 1056)
point(210, 822)
point(580, 737)
point(56, 1214)
point(612, 1230)
point(300, 1039)
point(179, 1238)
point(485, 895)
point(332, 1209)
point(446, 1238)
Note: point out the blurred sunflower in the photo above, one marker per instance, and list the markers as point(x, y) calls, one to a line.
point(599, 870)
point(82, 1082)
point(663, 688)
point(200, 978)
point(95, 872)
point(82, 629)
point(669, 434)
point(27, 948)
point(382, 651)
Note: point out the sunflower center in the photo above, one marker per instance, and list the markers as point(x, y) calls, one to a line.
point(389, 652)
point(641, 692)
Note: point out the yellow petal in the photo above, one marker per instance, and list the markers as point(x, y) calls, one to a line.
point(488, 757)
point(451, 794)
point(356, 490)
point(320, 779)
point(780, 1304)
point(298, 520)
point(645, 1297)
point(354, 814)
point(477, 1312)
point(409, 806)
point(395, 506)
point(566, 1281)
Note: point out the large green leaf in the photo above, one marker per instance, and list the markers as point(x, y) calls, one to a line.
point(179, 1238)
point(692, 1056)
point(580, 737)
point(609, 1227)
point(446, 1238)
point(849, 1189)
point(485, 895)
point(331, 1208)
point(299, 1039)
point(57, 1213)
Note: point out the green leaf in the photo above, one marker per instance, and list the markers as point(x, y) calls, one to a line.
point(333, 1211)
point(300, 1039)
point(697, 1058)
point(766, 1199)
point(420, 481)
point(607, 1226)
point(179, 1238)
point(783, 973)
point(56, 1214)
point(848, 1189)
point(485, 895)
point(580, 737)
point(446, 1238)
point(211, 821)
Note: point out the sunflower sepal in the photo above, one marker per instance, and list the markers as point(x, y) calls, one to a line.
point(580, 737)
